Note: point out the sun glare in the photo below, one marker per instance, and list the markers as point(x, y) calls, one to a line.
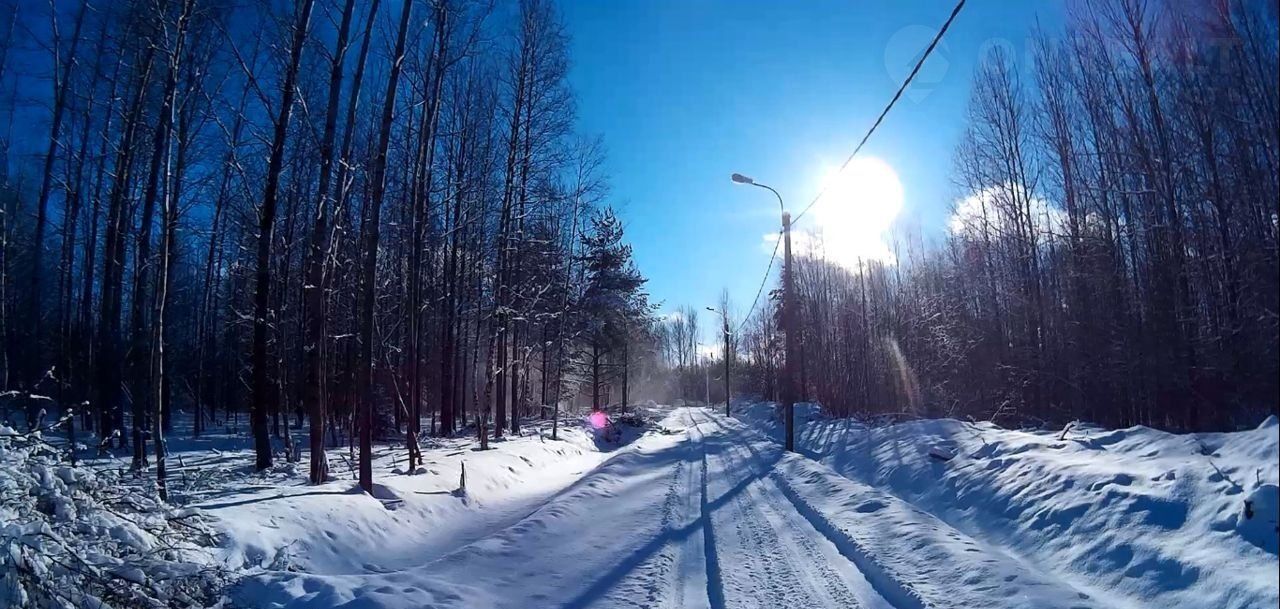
point(851, 222)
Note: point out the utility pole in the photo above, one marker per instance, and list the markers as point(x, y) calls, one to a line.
point(788, 299)
point(706, 372)
point(724, 317)
point(788, 326)
point(726, 366)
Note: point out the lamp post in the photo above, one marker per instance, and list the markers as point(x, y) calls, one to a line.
point(706, 377)
point(724, 317)
point(788, 306)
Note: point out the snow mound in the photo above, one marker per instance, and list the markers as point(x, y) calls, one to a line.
point(1258, 518)
point(1133, 517)
point(80, 537)
point(277, 523)
point(940, 567)
point(488, 560)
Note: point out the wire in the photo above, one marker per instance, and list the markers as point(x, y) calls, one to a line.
point(955, 11)
point(915, 70)
point(763, 281)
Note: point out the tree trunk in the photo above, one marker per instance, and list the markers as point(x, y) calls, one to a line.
point(369, 262)
point(108, 359)
point(61, 87)
point(262, 389)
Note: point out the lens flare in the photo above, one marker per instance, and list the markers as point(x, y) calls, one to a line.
point(854, 217)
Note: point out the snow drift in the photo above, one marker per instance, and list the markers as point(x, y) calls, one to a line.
point(531, 503)
point(277, 521)
point(1134, 517)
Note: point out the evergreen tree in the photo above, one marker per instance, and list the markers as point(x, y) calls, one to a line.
point(613, 301)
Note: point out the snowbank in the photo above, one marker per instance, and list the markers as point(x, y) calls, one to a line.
point(1132, 517)
point(277, 521)
point(89, 537)
point(503, 551)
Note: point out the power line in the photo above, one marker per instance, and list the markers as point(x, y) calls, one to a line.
point(915, 70)
point(955, 11)
point(763, 281)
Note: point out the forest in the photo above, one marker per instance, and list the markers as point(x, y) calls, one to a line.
point(336, 303)
point(359, 215)
point(373, 221)
point(1115, 261)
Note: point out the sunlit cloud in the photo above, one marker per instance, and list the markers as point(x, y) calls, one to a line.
point(998, 210)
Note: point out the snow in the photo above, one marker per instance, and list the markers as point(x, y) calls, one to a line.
point(680, 507)
point(91, 537)
point(1131, 518)
point(705, 511)
point(907, 557)
point(557, 549)
point(278, 520)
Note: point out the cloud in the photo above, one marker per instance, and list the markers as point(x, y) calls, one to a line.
point(850, 250)
point(1000, 207)
point(769, 241)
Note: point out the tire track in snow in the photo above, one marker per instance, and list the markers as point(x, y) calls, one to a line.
point(773, 571)
point(657, 571)
point(770, 578)
point(887, 587)
point(677, 551)
point(689, 577)
point(715, 582)
point(680, 582)
point(673, 576)
point(837, 577)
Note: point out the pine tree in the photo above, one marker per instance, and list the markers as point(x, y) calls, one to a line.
point(613, 302)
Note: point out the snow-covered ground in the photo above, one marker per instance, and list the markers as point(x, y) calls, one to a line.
point(705, 511)
point(1131, 518)
point(702, 510)
point(283, 522)
point(93, 536)
point(684, 516)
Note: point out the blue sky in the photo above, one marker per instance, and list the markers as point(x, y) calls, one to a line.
point(685, 93)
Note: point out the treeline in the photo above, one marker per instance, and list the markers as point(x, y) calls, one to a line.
point(691, 355)
point(373, 216)
point(1114, 257)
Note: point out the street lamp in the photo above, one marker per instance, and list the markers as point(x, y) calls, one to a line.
point(706, 375)
point(788, 387)
point(741, 179)
point(725, 318)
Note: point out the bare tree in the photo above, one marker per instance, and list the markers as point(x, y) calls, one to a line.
point(262, 388)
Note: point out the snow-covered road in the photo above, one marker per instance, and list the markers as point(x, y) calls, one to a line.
point(729, 537)
point(690, 518)
point(693, 517)
point(702, 512)
point(764, 553)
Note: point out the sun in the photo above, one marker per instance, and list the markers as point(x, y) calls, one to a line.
point(851, 222)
